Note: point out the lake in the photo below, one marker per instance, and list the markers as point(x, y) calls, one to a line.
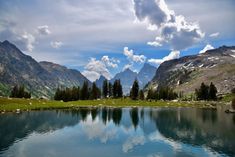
point(116, 132)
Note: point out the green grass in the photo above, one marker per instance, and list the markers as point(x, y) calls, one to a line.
point(228, 97)
point(11, 104)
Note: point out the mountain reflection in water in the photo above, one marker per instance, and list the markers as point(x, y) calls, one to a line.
point(118, 132)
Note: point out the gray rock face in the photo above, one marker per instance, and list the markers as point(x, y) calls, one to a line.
point(99, 82)
point(41, 79)
point(146, 74)
point(186, 73)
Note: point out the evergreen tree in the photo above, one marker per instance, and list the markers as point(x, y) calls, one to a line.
point(105, 88)
point(119, 89)
point(212, 92)
point(19, 92)
point(84, 93)
point(141, 95)
point(14, 92)
point(94, 91)
point(110, 89)
point(164, 93)
point(115, 88)
point(57, 94)
point(203, 92)
point(150, 94)
point(134, 90)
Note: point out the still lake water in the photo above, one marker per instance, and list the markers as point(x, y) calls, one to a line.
point(116, 132)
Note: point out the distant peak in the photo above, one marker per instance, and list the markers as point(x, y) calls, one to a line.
point(128, 69)
point(6, 42)
point(102, 77)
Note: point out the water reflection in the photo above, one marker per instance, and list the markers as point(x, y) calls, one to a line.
point(119, 131)
point(134, 114)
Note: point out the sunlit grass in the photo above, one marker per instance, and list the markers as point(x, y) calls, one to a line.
point(12, 104)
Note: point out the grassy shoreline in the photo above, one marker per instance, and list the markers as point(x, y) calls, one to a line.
point(16, 104)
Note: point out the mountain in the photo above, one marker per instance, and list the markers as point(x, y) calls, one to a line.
point(99, 82)
point(64, 76)
point(146, 74)
point(127, 78)
point(41, 79)
point(187, 73)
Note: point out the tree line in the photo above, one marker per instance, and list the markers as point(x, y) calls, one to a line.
point(112, 90)
point(90, 93)
point(19, 92)
point(86, 92)
point(164, 93)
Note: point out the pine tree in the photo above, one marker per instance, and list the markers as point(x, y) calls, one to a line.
point(212, 92)
point(115, 88)
point(141, 95)
point(19, 92)
point(14, 92)
point(119, 89)
point(110, 89)
point(203, 92)
point(105, 88)
point(94, 91)
point(84, 93)
point(150, 94)
point(57, 94)
point(134, 90)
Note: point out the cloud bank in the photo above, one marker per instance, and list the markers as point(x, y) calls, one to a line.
point(170, 28)
point(95, 68)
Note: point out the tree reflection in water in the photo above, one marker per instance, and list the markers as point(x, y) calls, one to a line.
point(117, 115)
point(134, 116)
point(200, 127)
point(197, 127)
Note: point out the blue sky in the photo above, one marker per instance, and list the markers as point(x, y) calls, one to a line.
point(104, 37)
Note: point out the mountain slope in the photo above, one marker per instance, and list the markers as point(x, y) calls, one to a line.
point(186, 73)
point(99, 82)
point(64, 76)
point(17, 68)
point(146, 74)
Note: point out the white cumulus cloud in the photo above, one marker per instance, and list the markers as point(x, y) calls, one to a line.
point(56, 44)
point(43, 30)
point(132, 142)
point(95, 68)
point(207, 47)
point(27, 40)
point(214, 34)
point(172, 55)
point(110, 62)
point(132, 57)
point(170, 28)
